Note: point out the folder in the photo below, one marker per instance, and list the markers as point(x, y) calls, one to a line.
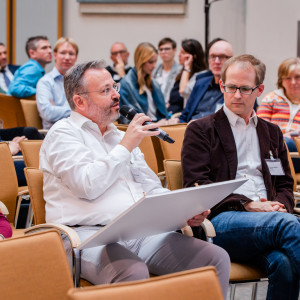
point(161, 213)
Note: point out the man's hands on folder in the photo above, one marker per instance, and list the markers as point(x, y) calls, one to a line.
point(198, 219)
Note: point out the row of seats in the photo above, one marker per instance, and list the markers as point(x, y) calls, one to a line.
point(36, 267)
point(34, 176)
point(17, 112)
point(30, 149)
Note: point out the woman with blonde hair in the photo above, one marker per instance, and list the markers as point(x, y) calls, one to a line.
point(139, 90)
point(282, 106)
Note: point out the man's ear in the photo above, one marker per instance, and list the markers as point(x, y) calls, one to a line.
point(31, 53)
point(260, 89)
point(221, 86)
point(80, 102)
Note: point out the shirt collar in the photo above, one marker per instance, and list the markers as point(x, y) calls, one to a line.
point(37, 64)
point(55, 73)
point(81, 121)
point(233, 118)
point(5, 69)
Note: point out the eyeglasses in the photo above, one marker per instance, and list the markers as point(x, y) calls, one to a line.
point(165, 49)
point(289, 79)
point(105, 92)
point(119, 52)
point(220, 57)
point(243, 89)
point(63, 53)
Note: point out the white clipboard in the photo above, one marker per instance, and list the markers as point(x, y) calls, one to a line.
point(161, 213)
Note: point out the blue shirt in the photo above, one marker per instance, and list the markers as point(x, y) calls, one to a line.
point(25, 79)
point(51, 100)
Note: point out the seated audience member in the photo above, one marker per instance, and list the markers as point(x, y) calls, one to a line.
point(282, 106)
point(6, 71)
point(26, 77)
point(166, 72)
point(206, 96)
point(50, 94)
point(14, 136)
point(191, 57)
point(104, 176)
point(119, 55)
point(139, 90)
point(5, 229)
point(255, 223)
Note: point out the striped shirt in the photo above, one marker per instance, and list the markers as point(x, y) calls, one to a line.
point(276, 108)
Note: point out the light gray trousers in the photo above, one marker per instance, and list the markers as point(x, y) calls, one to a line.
point(159, 254)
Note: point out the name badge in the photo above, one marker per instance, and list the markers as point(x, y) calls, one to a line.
point(275, 167)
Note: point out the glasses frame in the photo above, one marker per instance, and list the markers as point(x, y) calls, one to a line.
point(239, 88)
point(118, 52)
point(220, 57)
point(165, 49)
point(116, 86)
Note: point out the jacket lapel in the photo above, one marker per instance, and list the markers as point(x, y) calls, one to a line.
point(224, 131)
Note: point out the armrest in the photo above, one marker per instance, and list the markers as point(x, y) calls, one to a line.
point(68, 231)
point(294, 154)
point(43, 131)
point(23, 192)
point(3, 209)
point(297, 210)
point(17, 157)
point(208, 228)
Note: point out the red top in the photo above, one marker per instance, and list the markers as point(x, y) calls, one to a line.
point(5, 228)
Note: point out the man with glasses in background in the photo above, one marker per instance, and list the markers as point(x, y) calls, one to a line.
point(119, 55)
point(166, 72)
point(51, 100)
point(93, 172)
point(6, 70)
point(255, 223)
point(206, 97)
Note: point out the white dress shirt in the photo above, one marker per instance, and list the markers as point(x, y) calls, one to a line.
point(89, 178)
point(248, 153)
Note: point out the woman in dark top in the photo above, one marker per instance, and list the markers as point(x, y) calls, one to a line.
point(192, 58)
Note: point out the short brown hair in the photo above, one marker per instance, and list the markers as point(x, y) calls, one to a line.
point(32, 43)
point(285, 69)
point(167, 40)
point(246, 60)
point(63, 40)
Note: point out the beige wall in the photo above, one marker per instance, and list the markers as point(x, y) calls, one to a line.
point(271, 31)
point(265, 28)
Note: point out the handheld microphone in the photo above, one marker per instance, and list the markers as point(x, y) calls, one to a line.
point(129, 113)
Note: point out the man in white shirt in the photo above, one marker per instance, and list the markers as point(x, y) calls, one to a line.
point(6, 71)
point(94, 172)
point(255, 223)
point(166, 72)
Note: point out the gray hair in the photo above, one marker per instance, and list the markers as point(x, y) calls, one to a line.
point(74, 82)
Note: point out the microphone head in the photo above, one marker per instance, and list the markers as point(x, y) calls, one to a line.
point(127, 112)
